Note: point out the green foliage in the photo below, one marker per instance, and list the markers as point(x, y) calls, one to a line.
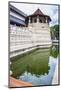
point(55, 32)
point(54, 52)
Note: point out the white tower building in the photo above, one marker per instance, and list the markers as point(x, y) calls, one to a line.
point(38, 23)
point(28, 32)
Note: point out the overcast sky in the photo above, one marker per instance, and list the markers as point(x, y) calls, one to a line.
point(51, 10)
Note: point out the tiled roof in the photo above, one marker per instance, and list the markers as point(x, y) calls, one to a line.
point(38, 12)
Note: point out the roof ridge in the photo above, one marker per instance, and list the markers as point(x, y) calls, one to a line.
point(38, 11)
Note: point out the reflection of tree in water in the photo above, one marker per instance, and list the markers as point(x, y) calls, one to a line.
point(39, 66)
point(34, 63)
point(54, 51)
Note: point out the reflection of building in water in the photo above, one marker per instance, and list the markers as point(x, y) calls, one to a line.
point(34, 63)
point(39, 66)
point(28, 32)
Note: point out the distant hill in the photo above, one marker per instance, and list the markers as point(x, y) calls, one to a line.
point(54, 32)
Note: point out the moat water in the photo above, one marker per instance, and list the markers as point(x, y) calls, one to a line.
point(36, 67)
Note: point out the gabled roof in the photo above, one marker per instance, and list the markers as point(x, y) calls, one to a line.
point(38, 12)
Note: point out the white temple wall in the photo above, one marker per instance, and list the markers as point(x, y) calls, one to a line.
point(29, 37)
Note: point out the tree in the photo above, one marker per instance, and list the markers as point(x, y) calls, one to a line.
point(55, 32)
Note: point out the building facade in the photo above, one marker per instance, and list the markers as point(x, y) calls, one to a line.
point(17, 17)
point(28, 32)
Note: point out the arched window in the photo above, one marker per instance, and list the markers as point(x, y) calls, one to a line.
point(40, 20)
point(35, 20)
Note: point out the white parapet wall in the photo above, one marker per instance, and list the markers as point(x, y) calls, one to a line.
point(23, 39)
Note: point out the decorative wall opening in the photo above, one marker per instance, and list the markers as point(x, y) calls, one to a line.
point(40, 20)
point(35, 20)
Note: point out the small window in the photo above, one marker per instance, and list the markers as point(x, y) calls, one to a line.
point(42, 26)
point(35, 20)
point(40, 20)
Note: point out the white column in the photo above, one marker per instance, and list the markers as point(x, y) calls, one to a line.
point(46, 19)
point(37, 19)
point(29, 20)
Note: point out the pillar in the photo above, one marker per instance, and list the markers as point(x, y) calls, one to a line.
point(37, 19)
point(46, 19)
point(29, 20)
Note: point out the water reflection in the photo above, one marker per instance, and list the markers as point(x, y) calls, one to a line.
point(35, 63)
point(54, 51)
point(39, 63)
point(36, 67)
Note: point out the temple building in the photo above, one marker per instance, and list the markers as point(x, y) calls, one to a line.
point(38, 17)
point(28, 32)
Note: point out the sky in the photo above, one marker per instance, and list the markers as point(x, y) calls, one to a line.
point(50, 10)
